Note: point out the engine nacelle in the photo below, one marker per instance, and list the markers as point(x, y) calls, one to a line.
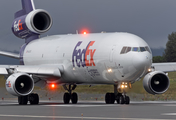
point(156, 82)
point(20, 84)
point(35, 23)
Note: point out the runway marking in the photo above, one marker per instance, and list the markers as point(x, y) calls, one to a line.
point(72, 117)
point(169, 114)
point(80, 105)
point(170, 105)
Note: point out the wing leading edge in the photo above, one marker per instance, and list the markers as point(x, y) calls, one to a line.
point(41, 70)
point(165, 67)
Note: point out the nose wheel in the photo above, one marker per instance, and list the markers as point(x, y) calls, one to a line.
point(120, 98)
point(69, 95)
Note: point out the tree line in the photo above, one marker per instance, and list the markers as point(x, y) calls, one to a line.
point(169, 54)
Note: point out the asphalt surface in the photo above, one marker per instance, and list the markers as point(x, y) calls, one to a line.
point(88, 110)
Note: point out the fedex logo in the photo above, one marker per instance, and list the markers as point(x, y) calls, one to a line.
point(83, 57)
point(18, 26)
point(8, 84)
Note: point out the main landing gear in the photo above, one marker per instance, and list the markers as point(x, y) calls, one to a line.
point(69, 95)
point(120, 98)
point(32, 98)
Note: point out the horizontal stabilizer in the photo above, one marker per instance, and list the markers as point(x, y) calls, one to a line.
point(8, 54)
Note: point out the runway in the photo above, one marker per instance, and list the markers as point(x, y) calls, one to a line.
point(88, 110)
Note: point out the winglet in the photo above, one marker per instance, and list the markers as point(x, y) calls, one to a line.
point(27, 7)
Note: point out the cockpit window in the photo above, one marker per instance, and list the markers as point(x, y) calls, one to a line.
point(142, 49)
point(135, 48)
point(123, 50)
point(148, 49)
point(127, 49)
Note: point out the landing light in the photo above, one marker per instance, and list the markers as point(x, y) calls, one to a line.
point(109, 70)
point(124, 85)
point(149, 70)
point(85, 33)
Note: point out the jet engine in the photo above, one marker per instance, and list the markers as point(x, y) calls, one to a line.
point(156, 82)
point(19, 84)
point(36, 22)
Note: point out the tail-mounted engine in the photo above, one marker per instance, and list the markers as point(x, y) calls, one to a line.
point(35, 23)
point(20, 84)
point(156, 82)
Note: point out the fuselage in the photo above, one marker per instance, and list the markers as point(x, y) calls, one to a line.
point(101, 58)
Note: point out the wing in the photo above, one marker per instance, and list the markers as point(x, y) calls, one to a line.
point(165, 67)
point(38, 72)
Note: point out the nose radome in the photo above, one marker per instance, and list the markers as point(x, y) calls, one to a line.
point(140, 61)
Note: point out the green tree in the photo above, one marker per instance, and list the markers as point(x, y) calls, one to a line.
point(170, 51)
point(158, 59)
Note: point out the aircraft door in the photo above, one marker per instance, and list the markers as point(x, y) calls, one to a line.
point(112, 53)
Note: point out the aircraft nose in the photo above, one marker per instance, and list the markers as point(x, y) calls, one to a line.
point(141, 61)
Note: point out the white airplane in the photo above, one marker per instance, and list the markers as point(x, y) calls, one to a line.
point(118, 59)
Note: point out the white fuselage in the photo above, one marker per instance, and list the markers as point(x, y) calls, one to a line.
point(92, 58)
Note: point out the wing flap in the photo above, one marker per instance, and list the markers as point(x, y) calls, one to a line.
point(3, 71)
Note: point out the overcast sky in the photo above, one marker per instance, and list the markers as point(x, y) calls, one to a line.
point(152, 20)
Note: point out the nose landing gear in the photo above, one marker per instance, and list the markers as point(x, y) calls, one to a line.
point(120, 98)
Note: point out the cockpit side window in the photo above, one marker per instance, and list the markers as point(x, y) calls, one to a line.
point(142, 49)
point(148, 49)
point(128, 49)
point(123, 50)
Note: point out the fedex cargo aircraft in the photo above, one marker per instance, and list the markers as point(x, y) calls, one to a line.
point(118, 59)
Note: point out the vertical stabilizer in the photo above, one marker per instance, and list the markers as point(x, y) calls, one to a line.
point(27, 7)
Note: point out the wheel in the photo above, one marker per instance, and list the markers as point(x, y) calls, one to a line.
point(33, 99)
point(110, 98)
point(107, 98)
point(121, 100)
point(74, 98)
point(66, 98)
point(23, 100)
point(127, 100)
point(117, 97)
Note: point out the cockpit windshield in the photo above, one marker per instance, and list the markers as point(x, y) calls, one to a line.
point(127, 49)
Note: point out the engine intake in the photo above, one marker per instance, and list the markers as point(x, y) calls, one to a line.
point(39, 21)
point(19, 84)
point(36, 22)
point(156, 82)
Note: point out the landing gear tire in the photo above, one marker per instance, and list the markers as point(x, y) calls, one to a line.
point(23, 100)
point(33, 99)
point(121, 100)
point(66, 98)
point(110, 98)
point(127, 100)
point(74, 98)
